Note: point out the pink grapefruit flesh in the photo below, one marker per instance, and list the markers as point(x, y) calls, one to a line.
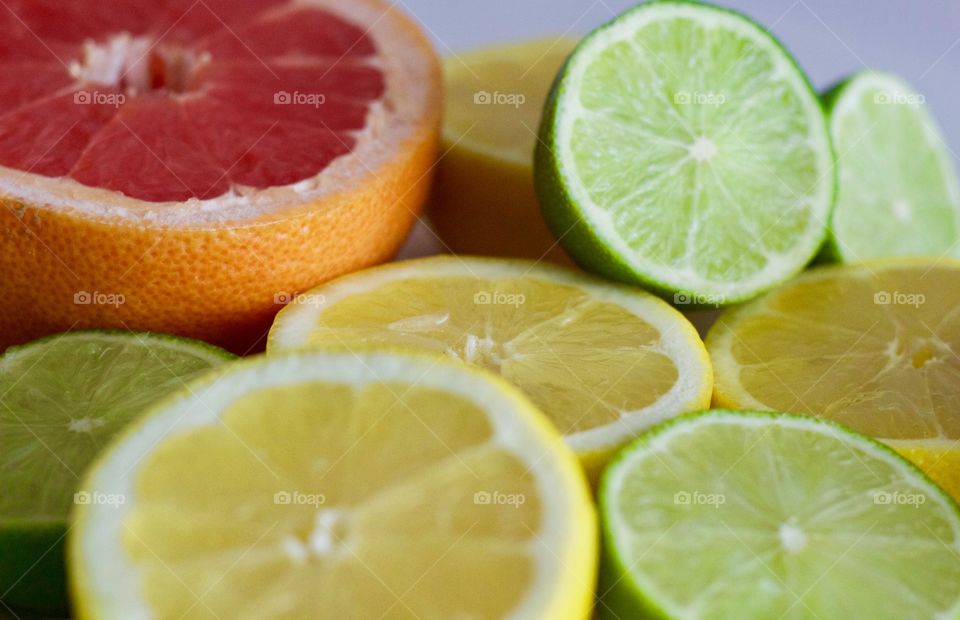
point(168, 101)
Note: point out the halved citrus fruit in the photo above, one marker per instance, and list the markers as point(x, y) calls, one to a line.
point(756, 516)
point(603, 361)
point(200, 160)
point(873, 346)
point(683, 149)
point(338, 485)
point(62, 398)
point(483, 201)
point(898, 193)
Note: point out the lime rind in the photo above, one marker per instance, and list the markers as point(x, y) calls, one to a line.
point(574, 220)
point(211, 352)
point(857, 232)
point(623, 594)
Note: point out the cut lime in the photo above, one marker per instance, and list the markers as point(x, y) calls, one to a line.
point(61, 399)
point(731, 514)
point(898, 187)
point(683, 149)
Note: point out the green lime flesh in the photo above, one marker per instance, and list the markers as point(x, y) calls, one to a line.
point(898, 191)
point(731, 514)
point(62, 399)
point(682, 149)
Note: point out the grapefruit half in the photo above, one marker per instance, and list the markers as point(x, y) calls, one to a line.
point(188, 167)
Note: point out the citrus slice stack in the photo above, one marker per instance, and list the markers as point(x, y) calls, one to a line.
point(338, 485)
point(603, 361)
point(483, 201)
point(62, 399)
point(873, 346)
point(199, 161)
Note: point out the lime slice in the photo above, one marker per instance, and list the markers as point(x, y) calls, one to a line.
point(898, 187)
point(61, 400)
point(603, 361)
point(683, 149)
point(759, 516)
point(338, 484)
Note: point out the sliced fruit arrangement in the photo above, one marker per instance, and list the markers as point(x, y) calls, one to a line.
point(172, 153)
point(603, 361)
point(62, 399)
point(873, 346)
point(757, 516)
point(483, 201)
point(338, 484)
point(898, 192)
point(683, 149)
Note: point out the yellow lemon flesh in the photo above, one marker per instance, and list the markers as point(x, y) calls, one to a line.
point(338, 485)
point(873, 346)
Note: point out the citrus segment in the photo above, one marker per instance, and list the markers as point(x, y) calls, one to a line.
point(363, 484)
point(750, 515)
point(602, 361)
point(898, 186)
point(872, 346)
point(61, 399)
point(650, 146)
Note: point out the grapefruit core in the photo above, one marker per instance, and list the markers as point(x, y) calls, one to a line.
point(188, 166)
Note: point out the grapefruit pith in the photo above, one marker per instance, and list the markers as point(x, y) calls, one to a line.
point(187, 167)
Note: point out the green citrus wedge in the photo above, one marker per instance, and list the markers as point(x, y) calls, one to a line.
point(756, 516)
point(898, 192)
point(61, 400)
point(683, 149)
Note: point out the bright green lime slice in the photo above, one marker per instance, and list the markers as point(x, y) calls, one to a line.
point(730, 514)
point(61, 400)
point(683, 149)
point(898, 187)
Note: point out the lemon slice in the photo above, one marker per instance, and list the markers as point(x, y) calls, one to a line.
point(603, 361)
point(483, 199)
point(873, 346)
point(336, 484)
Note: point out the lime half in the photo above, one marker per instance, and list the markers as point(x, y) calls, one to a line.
point(683, 149)
point(898, 187)
point(61, 400)
point(755, 516)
